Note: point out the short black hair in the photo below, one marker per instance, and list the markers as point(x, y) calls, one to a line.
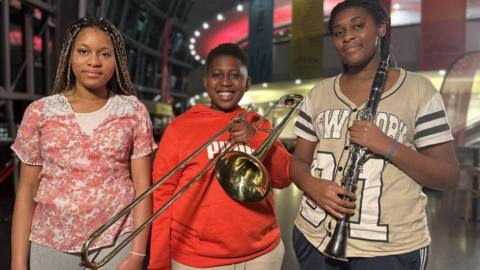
point(373, 7)
point(227, 49)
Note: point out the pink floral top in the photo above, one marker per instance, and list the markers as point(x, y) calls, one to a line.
point(85, 179)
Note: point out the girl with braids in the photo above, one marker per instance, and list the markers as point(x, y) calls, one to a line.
point(84, 153)
point(409, 142)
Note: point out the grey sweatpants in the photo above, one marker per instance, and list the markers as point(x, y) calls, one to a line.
point(45, 258)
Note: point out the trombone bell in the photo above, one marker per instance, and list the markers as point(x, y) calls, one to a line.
point(243, 177)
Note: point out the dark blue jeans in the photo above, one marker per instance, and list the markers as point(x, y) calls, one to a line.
point(309, 258)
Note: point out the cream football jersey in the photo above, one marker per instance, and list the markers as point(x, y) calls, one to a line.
point(390, 215)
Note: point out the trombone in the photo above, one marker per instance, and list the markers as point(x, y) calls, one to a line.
point(241, 175)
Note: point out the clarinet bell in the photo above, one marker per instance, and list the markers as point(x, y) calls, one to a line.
point(337, 247)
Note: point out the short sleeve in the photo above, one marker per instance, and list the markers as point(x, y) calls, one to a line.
point(431, 125)
point(143, 141)
point(304, 127)
point(27, 143)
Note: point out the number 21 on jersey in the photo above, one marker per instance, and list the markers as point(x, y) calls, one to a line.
point(365, 224)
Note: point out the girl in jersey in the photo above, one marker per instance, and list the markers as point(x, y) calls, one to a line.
point(410, 142)
point(84, 153)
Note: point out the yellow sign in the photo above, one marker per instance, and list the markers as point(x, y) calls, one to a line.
point(158, 108)
point(307, 39)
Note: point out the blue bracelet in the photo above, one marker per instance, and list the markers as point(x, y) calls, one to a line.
point(391, 151)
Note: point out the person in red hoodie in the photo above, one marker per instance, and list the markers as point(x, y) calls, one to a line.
point(205, 228)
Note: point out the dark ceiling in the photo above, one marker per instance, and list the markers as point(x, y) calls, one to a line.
point(204, 10)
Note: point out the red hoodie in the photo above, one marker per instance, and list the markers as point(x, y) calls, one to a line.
point(205, 227)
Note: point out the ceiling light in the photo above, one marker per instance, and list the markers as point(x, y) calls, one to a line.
point(196, 33)
point(193, 52)
point(197, 57)
point(202, 62)
point(192, 40)
point(205, 25)
point(442, 72)
point(239, 7)
point(396, 6)
point(220, 17)
point(191, 46)
point(264, 85)
point(298, 81)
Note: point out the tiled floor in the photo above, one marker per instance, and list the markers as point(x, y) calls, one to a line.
point(455, 244)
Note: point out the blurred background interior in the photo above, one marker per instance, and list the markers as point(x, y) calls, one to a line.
point(167, 42)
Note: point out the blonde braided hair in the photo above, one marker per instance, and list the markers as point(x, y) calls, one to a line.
point(120, 83)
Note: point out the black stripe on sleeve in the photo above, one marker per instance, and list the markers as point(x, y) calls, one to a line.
point(430, 131)
point(305, 129)
point(430, 117)
point(305, 116)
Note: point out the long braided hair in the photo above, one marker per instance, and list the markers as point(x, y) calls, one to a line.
point(120, 83)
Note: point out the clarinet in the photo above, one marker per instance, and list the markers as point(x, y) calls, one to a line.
point(337, 246)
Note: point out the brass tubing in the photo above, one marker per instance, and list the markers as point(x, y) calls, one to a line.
point(86, 246)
